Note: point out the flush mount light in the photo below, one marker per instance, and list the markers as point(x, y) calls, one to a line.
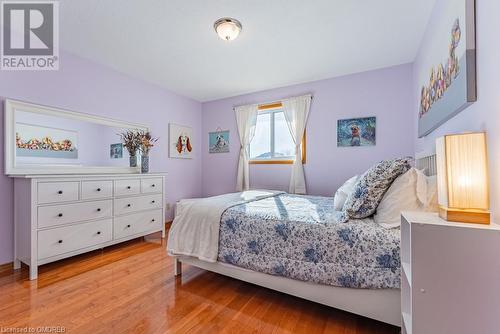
point(227, 28)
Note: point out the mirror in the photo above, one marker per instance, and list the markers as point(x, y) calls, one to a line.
point(46, 140)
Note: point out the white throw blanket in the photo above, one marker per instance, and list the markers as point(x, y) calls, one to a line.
point(195, 229)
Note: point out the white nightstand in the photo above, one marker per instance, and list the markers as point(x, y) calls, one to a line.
point(450, 276)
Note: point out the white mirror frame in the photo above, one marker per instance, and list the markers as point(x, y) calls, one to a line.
point(41, 169)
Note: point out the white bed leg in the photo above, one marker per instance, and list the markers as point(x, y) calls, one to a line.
point(177, 267)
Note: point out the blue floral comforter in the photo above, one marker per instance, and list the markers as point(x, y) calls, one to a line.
point(301, 237)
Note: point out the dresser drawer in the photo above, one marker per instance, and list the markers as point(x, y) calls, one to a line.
point(152, 185)
point(52, 192)
point(125, 226)
point(127, 187)
point(70, 213)
point(97, 189)
point(66, 239)
point(139, 203)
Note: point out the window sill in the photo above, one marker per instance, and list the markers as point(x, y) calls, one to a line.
point(270, 162)
point(273, 162)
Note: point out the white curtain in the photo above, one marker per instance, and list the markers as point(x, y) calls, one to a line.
point(296, 111)
point(246, 118)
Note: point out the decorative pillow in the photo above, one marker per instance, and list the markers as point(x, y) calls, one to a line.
point(401, 196)
point(371, 187)
point(412, 191)
point(427, 191)
point(342, 193)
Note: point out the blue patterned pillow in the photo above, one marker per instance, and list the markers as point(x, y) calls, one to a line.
point(371, 187)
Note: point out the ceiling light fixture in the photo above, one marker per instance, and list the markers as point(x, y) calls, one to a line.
point(227, 28)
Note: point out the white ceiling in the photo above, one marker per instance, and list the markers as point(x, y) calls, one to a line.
point(172, 42)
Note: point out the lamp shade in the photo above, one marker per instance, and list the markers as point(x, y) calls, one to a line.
point(462, 167)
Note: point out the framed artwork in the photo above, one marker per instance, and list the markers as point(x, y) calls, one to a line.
point(447, 81)
point(356, 132)
point(45, 142)
point(180, 141)
point(116, 151)
point(218, 141)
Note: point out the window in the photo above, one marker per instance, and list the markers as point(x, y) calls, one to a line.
point(273, 142)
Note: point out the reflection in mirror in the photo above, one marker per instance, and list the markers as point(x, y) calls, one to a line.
point(44, 137)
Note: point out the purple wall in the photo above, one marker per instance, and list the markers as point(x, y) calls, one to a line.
point(86, 87)
point(385, 93)
point(483, 115)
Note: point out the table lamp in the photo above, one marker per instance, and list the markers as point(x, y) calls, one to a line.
point(462, 177)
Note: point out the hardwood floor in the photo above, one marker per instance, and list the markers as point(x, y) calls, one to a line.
point(130, 288)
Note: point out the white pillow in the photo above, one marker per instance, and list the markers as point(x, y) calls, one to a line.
point(412, 191)
point(432, 194)
point(344, 191)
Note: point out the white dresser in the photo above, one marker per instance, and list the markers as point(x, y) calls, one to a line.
point(57, 216)
point(450, 280)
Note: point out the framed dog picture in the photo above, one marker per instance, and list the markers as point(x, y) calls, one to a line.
point(356, 132)
point(116, 151)
point(180, 141)
point(218, 141)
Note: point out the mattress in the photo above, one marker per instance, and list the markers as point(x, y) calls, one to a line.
point(301, 237)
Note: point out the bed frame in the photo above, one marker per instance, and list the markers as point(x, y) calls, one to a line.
point(427, 161)
point(379, 304)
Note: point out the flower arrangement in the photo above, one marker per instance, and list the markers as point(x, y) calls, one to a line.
point(146, 142)
point(138, 141)
point(131, 140)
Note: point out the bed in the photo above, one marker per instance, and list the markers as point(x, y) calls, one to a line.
point(301, 237)
point(297, 245)
point(294, 244)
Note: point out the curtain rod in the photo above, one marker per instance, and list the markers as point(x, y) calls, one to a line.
point(275, 101)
